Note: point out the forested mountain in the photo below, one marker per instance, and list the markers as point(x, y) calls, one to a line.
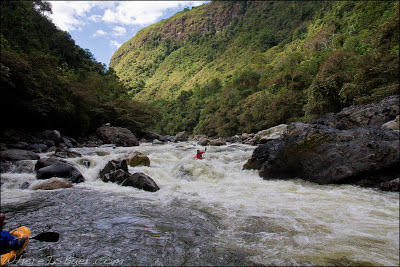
point(241, 66)
point(48, 82)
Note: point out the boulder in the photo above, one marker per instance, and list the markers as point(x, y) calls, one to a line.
point(18, 154)
point(216, 143)
point(60, 169)
point(136, 159)
point(261, 154)
point(45, 162)
point(116, 171)
point(157, 142)
point(197, 137)
point(141, 181)
point(117, 135)
point(108, 173)
point(264, 136)
point(52, 135)
point(51, 184)
point(181, 137)
point(203, 141)
point(365, 156)
point(151, 136)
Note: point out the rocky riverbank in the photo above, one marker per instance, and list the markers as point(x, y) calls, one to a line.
point(359, 145)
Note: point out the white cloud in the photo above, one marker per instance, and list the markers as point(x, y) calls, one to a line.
point(70, 15)
point(99, 33)
point(142, 12)
point(115, 43)
point(95, 18)
point(73, 15)
point(119, 31)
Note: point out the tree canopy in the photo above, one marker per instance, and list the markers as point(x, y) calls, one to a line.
point(47, 81)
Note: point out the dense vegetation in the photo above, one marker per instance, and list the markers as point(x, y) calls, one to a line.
point(48, 82)
point(241, 66)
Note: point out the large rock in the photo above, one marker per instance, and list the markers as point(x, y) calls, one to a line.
point(117, 135)
point(181, 136)
point(46, 162)
point(109, 172)
point(264, 136)
point(261, 154)
point(60, 169)
point(51, 184)
point(203, 141)
point(52, 135)
point(141, 181)
point(136, 159)
point(216, 143)
point(366, 155)
point(116, 171)
point(18, 154)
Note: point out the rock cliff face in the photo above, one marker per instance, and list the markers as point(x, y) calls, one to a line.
point(347, 147)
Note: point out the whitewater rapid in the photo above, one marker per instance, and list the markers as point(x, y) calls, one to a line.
point(229, 215)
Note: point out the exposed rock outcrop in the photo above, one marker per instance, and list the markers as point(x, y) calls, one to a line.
point(337, 148)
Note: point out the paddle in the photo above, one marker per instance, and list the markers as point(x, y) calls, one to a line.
point(47, 237)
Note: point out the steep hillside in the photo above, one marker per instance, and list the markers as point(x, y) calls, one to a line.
point(48, 82)
point(240, 66)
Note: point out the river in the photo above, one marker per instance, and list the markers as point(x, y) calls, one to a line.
point(207, 212)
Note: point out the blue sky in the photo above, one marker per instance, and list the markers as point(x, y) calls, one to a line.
point(103, 26)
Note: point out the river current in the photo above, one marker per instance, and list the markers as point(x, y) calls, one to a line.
point(207, 212)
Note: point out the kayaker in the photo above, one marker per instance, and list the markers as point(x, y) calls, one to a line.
point(199, 154)
point(7, 240)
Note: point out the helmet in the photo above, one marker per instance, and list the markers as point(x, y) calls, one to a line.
point(2, 219)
